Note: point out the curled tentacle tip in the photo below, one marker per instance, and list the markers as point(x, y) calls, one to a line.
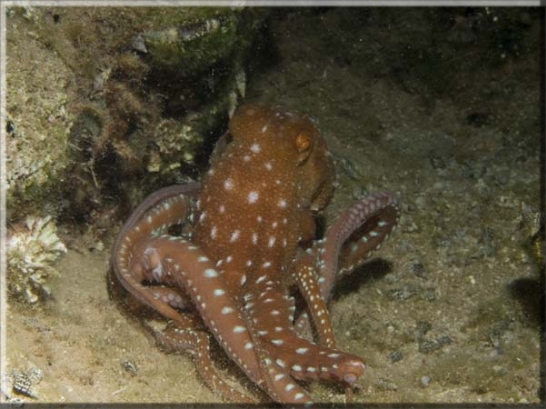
point(354, 372)
point(350, 377)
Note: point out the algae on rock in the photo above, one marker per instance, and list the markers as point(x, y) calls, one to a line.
point(100, 96)
point(38, 84)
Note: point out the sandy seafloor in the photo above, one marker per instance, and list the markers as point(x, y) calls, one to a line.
point(448, 311)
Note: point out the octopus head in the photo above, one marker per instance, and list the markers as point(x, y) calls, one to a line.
point(293, 140)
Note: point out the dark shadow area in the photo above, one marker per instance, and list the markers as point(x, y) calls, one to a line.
point(375, 269)
point(530, 294)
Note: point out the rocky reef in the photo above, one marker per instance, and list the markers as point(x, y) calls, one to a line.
point(100, 95)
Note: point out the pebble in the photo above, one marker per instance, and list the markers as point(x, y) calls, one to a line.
point(395, 356)
point(386, 385)
point(425, 381)
point(417, 268)
point(129, 366)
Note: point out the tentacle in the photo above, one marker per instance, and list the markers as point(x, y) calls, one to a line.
point(189, 191)
point(276, 378)
point(306, 279)
point(160, 210)
point(175, 338)
point(377, 218)
point(302, 358)
point(356, 233)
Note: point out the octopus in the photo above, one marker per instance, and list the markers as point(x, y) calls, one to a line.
point(238, 256)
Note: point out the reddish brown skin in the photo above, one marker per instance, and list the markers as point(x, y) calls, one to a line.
point(276, 172)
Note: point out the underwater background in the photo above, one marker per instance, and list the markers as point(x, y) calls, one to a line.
point(440, 106)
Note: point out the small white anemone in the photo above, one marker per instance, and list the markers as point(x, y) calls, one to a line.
point(31, 250)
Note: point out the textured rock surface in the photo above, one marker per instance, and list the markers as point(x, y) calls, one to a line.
point(99, 95)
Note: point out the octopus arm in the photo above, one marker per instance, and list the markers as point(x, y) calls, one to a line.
point(169, 206)
point(354, 236)
point(306, 279)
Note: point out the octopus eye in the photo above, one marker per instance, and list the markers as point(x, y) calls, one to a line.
point(303, 142)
